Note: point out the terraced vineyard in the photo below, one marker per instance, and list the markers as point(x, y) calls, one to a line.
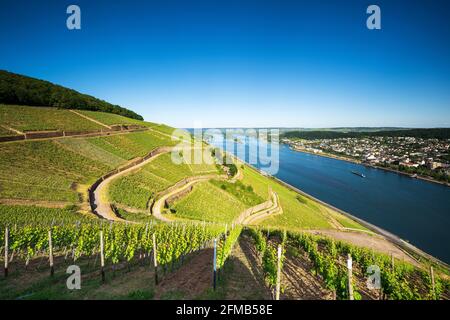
point(40, 119)
point(44, 187)
point(51, 169)
point(40, 216)
point(130, 146)
point(202, 204)
point(112, 119)
point(135, 190)
point(43, 170)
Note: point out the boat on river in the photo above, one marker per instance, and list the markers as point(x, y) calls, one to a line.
point(362, 175)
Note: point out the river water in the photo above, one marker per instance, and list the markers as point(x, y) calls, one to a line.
point(415, 210)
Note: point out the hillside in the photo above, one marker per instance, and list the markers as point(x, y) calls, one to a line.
point(17, 89)
point(434, 133)
point(69, 184)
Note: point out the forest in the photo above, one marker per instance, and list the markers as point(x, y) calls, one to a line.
point(16, 89)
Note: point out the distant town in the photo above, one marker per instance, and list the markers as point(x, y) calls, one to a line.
point(417, 156)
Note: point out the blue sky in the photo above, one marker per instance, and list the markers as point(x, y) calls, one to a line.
point(251, 63)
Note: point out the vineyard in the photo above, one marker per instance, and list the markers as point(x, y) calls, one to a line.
point(163, 247)
point(48, 170)
point(131, 145)
point(39, 119)
point(399, 280)
point(112, 119)
point(112, 243)
point(135, 190)
point(26, 215)
point(46, 225)
point(202, 204)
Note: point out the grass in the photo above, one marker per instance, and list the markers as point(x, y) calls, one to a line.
point(297, 214)
point(89, 150)
point(346, 222)
point(24, 118)
point(134, 190)
point(5, 132)
point(142, 217)
point(244, 193)
point(110, 118)
point(203, 204)
point(132, 145)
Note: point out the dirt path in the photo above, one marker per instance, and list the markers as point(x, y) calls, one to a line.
point(245, 279)
point(375, 242)
point(103, 206)
point(191, 280)
point(12, 130)
point(90, 119)
point(263, 213)
point(299, 283)
point(158, 206)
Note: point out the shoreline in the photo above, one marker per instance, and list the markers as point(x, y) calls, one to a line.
point(332, 156)
point(404, 245)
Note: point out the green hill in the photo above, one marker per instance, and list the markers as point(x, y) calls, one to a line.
point(17, 89)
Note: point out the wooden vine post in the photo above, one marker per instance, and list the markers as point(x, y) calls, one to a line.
point(50, 253)
point(278, 286)
point(6, 250)
point(392, 263)
point(432, 282)
point(215, 265)
point(350, 285)
point(102, 256)
point(155, 262)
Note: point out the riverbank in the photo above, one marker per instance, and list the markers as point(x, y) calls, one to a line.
point(332, 156)
point(411, 250)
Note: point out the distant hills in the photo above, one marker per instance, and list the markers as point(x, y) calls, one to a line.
point(433, 133)
point(17, 89)
point(347, 129)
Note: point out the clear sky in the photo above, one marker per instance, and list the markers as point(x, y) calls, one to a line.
point(252, 63)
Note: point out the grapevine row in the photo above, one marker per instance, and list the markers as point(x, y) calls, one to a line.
point(122, 242)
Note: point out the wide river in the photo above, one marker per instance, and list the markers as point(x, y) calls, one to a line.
point(415, 210)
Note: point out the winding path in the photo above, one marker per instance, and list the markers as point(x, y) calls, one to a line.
point(273, 208)
point(102, 205)
point(158, 206)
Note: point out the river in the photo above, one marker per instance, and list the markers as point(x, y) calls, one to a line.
point(415, 210)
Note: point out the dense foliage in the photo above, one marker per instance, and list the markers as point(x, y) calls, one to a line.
point(22, 90)
point(242, 192)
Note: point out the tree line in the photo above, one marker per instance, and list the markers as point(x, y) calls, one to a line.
point(21, 90)
point(433, 133)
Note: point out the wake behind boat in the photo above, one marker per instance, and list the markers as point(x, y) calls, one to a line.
point(359, 174)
